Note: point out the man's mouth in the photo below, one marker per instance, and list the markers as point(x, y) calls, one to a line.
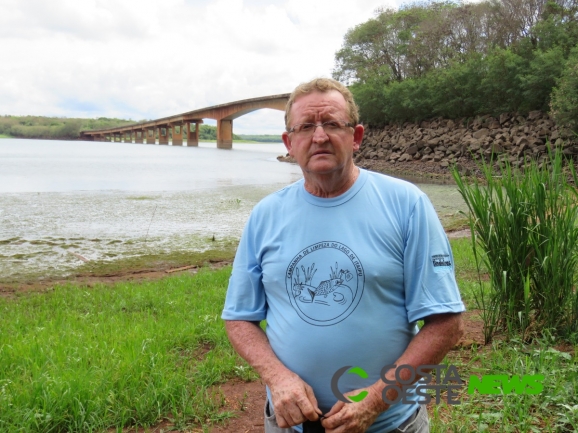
point(321, 152)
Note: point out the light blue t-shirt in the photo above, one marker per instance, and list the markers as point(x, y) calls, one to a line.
point(342, 281)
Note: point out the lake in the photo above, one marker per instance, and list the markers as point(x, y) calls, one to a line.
point(102, 201)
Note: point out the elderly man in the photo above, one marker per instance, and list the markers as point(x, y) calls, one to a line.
point(341, 264)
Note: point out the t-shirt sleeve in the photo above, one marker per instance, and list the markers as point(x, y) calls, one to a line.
point(429, 278)
point(245, 298)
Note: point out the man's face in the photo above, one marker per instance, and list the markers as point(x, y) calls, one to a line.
point(322, 153)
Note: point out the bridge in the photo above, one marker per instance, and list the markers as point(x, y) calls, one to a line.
point(180, 126)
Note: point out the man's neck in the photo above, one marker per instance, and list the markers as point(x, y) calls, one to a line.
point(331, 184)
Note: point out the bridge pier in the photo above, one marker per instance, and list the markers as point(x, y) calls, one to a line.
point(127, 137)
point(177, 133)
point(138, 136)
point(163, 134)
point(224, 134)
point(192, 136)
point(150, 139)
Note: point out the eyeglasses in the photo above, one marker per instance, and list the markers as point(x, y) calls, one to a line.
point(330, 127)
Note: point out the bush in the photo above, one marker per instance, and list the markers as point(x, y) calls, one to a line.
point(564, 105)
point(524, 230)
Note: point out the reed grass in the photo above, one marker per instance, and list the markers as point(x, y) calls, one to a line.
point(525, 233)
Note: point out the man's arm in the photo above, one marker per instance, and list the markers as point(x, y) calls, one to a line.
point(438, 335)
point(293, 399)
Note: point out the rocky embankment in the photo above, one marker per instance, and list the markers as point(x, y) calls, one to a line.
point(435, 145)
point(431, 147)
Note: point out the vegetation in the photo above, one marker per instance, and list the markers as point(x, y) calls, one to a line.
point(89, 359)
point(53, 127)
point(262, 138)
point(455, 59)
point(525, 233)
point(79, 359)
point(208, 132)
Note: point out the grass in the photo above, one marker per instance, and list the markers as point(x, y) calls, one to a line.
point(555, 409)
point(79, 359)
point(524, 227)
point(5, 136)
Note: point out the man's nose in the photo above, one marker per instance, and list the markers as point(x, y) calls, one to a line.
point(319, 134)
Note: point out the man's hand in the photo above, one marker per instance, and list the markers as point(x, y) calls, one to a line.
point(293, 400)
point(354, 417)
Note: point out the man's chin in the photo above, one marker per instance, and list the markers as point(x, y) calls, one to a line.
point(323, 167)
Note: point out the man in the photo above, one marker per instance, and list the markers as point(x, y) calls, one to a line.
point(341, 264)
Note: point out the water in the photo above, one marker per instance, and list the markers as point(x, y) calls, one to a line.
point(63, 201)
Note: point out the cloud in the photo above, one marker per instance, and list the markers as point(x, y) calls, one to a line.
point(149, 59)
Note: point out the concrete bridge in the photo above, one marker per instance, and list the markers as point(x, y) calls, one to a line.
point(180, 126)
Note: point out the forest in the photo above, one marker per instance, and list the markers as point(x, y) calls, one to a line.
point(458, 60)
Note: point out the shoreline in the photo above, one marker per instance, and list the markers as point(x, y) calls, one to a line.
point(415, 171)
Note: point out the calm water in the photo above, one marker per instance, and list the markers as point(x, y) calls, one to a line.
point(61, 199)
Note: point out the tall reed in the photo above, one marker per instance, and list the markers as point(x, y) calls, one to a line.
point(524, 230)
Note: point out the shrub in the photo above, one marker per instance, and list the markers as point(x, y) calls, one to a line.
point(564, 105)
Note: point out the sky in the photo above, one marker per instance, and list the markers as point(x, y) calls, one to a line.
point(147, 59)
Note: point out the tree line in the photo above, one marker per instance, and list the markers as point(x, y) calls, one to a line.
point(69, 128)
point(54, 127)
point(455, 60)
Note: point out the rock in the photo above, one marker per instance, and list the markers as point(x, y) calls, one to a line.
point(412, 150)
point(504, 118)
point(533, 115)
point(481, 133)
point(405, 157)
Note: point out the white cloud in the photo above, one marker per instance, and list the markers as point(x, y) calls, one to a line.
point(147, 59)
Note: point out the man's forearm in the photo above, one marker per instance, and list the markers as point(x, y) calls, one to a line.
point(293, 399)
point(251, 343)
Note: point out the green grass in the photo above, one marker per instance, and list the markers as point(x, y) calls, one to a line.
point(78, 359)
point(81, 359)
point(555, 409)
point(5, 136)
point(466, 269)
point(525, 226)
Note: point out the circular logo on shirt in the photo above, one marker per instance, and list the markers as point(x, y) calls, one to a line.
point(325, 283)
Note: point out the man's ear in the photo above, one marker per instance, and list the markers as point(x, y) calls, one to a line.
point(287, 142)
point(357, 137)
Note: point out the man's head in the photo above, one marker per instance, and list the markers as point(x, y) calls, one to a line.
point(322, 134)
point(322, 85)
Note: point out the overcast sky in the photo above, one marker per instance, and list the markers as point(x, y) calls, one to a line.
point(145, 59)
